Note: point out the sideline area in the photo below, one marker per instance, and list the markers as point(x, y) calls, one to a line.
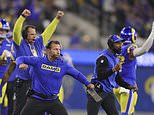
point(81, 112)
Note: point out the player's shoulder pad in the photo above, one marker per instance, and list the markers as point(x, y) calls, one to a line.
point(102, 60)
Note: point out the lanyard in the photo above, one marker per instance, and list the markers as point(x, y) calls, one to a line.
point(32, 49)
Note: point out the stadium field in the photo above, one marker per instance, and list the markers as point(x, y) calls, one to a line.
point(81, 112)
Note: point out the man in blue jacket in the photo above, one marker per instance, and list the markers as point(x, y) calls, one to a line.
point(26, 43)
point(105, 77)
point(47, 79)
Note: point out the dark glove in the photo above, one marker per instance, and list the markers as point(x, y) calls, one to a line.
point(19, 83)
point(3, 62)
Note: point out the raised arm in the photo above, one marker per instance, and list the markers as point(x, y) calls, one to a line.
point(17, 37)
point(50, 29)
point(146, 46)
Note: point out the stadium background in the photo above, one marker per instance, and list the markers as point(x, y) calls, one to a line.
point(83, 33)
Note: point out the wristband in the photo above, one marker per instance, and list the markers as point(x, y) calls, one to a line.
point(23, 15)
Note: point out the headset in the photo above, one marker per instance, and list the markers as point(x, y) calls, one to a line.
point(25, 30)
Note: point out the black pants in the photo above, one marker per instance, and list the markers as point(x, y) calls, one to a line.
point(10, 95)
point(108, 104)
point(21, 97)
point(38, 107)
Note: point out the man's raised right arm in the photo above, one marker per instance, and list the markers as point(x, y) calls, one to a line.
point(17, 37)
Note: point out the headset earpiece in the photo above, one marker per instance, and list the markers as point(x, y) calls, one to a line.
point(25, 30)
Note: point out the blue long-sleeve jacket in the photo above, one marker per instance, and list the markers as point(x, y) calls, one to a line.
point(21, 46)
point(47, 76)
point(24, 50)
point(104, 64)
point(128, 72)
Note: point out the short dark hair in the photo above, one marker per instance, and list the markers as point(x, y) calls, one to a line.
point(48, 46)
point(25, 30)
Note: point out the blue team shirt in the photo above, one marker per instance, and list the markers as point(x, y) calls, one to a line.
point(128, 72)
point(6, 45)
point(108, 83)
point(24, 50)
point(47, 75)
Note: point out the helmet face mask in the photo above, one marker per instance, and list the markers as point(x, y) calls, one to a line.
point(128, 34)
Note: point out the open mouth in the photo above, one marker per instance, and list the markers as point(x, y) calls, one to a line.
point(32, 41)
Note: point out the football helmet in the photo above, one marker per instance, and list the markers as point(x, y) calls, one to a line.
point(4, 25)
point(128, 34)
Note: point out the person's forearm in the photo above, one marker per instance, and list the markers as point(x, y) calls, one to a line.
point(19, 60)
point(9, 71)
point(121, 82)
point(17, 37)
point(48, 32)
point(83, 79)
point(29, 60)
point(146, 46)
point(104, 74)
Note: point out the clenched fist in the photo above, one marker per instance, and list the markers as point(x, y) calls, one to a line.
point(59, 14)
point(3, 62)
point(26, 13)
point(23, 66)
point(91, 86)
point(117, 67)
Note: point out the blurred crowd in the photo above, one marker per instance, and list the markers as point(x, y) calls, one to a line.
point(109, 16)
